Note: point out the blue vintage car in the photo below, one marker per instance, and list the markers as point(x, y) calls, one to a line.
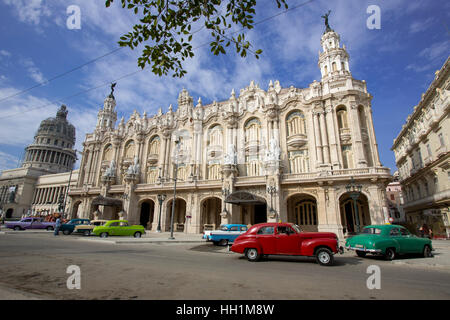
point(227, 233)
point(68, 228)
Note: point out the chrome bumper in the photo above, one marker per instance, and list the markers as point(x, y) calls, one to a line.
point(364, 249)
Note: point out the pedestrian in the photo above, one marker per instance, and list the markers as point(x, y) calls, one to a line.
point(430, 232)
point(57, 225)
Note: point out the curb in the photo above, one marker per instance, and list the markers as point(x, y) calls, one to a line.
point(130, 241)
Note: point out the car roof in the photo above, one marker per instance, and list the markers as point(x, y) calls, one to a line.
point(234, 225)
point(384, 226)
point(273, 224)
point(117, 220)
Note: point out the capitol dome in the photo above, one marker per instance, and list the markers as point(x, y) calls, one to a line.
point(52, 149)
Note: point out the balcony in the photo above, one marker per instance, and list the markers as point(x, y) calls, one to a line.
point(297, 140)
point(345, 134)
point(152, 159)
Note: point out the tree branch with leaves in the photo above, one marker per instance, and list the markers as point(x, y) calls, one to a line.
point(165, 28)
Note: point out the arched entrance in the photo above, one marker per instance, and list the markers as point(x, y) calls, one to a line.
point(348, 213)
point(253, 209)
point(9, 213)
point(302, 210)
point(210, 214)
point(147, 214)
point(75, 209)
point(179, 216)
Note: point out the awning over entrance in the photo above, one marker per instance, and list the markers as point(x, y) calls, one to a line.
point(106, 201)
point(242, 197)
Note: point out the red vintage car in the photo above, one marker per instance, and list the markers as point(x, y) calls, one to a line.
point(287, 239)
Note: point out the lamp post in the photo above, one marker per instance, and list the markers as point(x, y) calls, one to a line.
point(354, 190)
point(177, 143)
point(161, 198)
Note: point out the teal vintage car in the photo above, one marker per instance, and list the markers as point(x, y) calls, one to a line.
point(118, 228)
point(388, 240)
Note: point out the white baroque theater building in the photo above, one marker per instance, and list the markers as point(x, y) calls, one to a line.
point(262, 155)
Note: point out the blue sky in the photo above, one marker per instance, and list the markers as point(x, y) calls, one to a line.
point(398, 62)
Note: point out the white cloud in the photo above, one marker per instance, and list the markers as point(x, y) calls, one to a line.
point(7, 161)
point(436, 50)
point(33, 71)
point(29, 11)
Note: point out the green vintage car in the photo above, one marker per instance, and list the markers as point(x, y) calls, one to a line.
point(118, 228)
point(388, 240)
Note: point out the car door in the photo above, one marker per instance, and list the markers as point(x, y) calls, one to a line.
point(123, 229)
point(113, 229)
point(27, 223)
point(409, 241)
point(287, 241)
point(266, 238)
point(395, 235)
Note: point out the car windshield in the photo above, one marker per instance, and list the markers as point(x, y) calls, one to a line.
point(296, 228)
point(223, 228)
point(371, 231)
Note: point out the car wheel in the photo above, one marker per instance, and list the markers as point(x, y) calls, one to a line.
point(137, 234)
point(49, 228)
point(252, 255)
point(223, 242)
point(17, 228)
point(66, 232)
point(216, 243)
point(361, 254)
point(87, 232)
point(427, 252)
point(324, 257)
point(389, 254)
point(104, 235)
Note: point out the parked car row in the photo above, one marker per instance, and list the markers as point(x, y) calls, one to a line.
point(102, 228)
point(264, 239)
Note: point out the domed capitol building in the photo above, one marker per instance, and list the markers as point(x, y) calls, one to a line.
point(40, 186)
point(303, 155)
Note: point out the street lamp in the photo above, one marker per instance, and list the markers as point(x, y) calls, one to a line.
point(177, 143)
point(161, 198)
point(354, 190)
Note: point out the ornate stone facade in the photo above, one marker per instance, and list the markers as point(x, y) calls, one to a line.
point(422, 155)
point(263, 155)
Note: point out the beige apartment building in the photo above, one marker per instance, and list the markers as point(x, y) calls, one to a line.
point(423, 159)
point(262, 155)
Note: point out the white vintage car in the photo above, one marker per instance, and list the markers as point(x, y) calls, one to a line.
point(86, 229)
point(226, 234)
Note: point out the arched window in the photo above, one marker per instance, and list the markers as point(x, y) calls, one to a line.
point(334, 66)
point(347, 156)
point(129, 149)
point(252, 130)
point(108, 153)
point(182, 172)
point(342, 119)
point(325, 70)
point(152, 175)
point(214, 172)
point(295, 123)
point(299, 161)
point(305, 213)
point(154, 145)
point(215, 135)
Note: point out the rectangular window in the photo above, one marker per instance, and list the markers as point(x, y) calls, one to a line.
point(441, 139)
point(429, 150)
point(392, 197)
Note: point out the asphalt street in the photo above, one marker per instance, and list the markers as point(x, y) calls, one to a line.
point(36, 265)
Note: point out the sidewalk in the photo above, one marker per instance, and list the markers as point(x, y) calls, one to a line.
point(151, 237)
point(440, 259)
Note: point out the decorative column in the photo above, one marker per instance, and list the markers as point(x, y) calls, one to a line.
point(318, 138)
point(323, 131)
point(330, 114)
point(373, 139)
point(356, 136)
